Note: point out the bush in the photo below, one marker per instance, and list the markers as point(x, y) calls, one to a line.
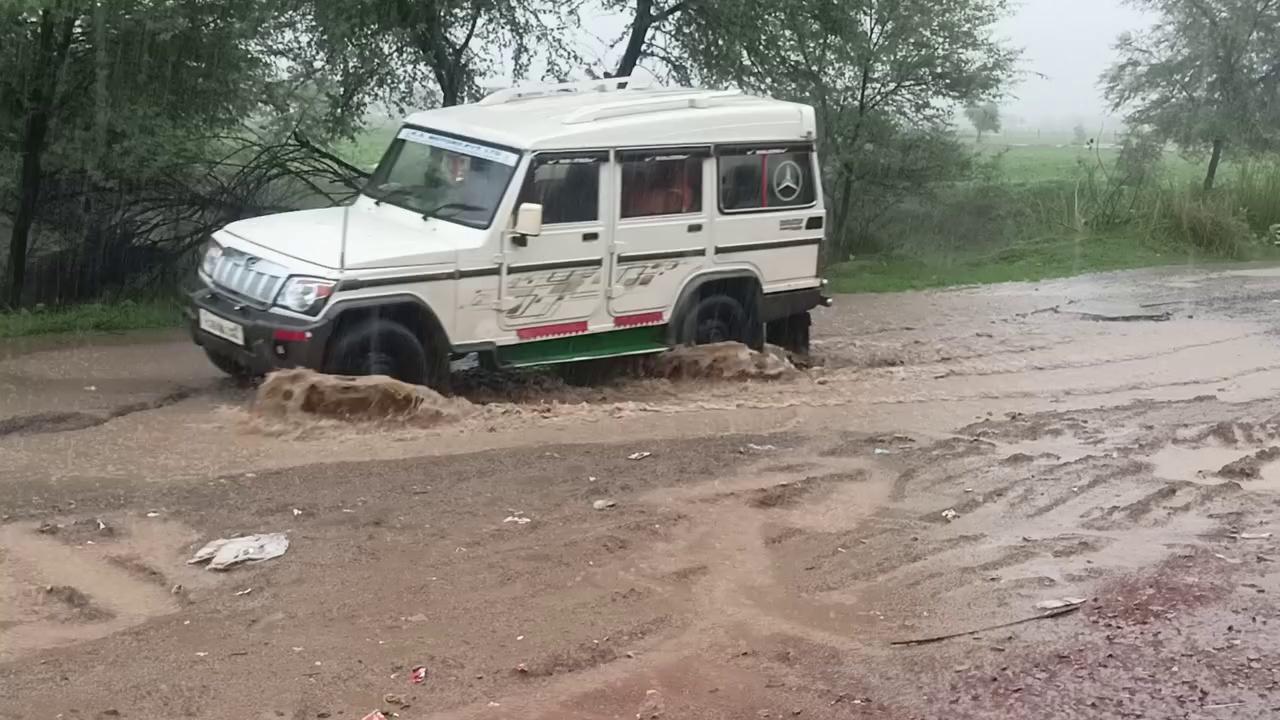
point(1213, 224)
point(1256, 187)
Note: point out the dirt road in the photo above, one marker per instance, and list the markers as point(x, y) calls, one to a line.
point(960, 458)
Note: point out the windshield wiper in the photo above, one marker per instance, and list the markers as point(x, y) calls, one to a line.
point(460, 207)
point(398, 191)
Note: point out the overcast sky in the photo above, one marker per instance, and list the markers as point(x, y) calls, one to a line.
point(1070, 43)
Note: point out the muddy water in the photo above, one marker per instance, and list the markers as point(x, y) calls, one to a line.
point(1204, 464)
point(97, 373)
point(928, 360)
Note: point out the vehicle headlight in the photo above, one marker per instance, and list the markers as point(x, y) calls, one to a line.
point(209, 260)
point(305, 295)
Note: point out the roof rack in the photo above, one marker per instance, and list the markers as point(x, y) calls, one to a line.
point(697, 99)
point(570, 88)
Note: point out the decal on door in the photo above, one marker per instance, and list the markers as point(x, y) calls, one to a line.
point(537, 295)
point(540, 295)
point(642, 275)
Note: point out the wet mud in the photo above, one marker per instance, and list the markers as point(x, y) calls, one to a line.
point(955, 461)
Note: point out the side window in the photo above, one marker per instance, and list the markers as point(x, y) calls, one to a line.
point(567, 187)
point(766, 179)
point(661, 184)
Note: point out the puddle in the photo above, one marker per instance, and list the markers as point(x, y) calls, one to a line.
point(1065, 449)
point(1201, 465)
point(55, 593)
point(1264, 272)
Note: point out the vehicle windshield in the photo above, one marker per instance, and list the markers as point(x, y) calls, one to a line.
point(445, 177)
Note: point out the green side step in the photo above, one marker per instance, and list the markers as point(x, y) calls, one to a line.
point(633, 341)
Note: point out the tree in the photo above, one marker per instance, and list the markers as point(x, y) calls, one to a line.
point(985, 117)
point(384, 51)
point(651, 22)
point(130, 128)
point(884, 79)
point(42, 37)
point(85, 102)
point(1206, 76)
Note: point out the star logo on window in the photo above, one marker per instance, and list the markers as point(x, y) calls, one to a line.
point(788, 181)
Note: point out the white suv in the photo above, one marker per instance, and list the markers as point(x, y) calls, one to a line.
point(538, 226)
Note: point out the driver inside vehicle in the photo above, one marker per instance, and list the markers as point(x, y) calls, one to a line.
point(441, 183)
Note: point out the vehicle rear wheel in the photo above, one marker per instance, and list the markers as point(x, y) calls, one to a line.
point(716, 318)
point(381, 347)
point(230, 366)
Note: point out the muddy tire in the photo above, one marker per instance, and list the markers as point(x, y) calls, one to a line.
point(790, 333)
point(229, 366)
point(717, 318)
point(383, 347)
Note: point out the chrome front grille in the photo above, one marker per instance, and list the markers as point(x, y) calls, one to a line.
point(248, 276)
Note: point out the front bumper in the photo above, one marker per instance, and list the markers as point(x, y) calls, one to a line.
point(271, 341)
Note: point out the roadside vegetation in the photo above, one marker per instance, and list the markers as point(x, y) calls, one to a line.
point(1200, 81)
point(104, 317)
point(131, 129)
point(1033, 212)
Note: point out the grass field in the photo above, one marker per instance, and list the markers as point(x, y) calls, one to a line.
point(1021, 163)
point(96, 318)
point(1034, 259)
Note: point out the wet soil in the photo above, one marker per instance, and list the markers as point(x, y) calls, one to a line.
point(956, 459)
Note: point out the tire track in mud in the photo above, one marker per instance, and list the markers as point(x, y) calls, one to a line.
point(924, 566)
point(57, 422)
point(1216, 343)
point(58, 593)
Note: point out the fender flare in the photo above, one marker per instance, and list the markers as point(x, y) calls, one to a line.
point(341, 307)
point(685, 299)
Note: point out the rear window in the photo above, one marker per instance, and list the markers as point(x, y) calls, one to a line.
point(756, 179)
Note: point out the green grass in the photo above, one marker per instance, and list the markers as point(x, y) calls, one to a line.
point(368, 147)
point(1031, 164)
point(116, 317)
point(1015, 226)
point(1045, 163)
point(1037, 259)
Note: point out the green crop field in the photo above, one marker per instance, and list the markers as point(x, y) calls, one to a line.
point(1027, 217)
point(1022, 163)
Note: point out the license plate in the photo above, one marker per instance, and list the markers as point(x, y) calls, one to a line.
point(224, 329)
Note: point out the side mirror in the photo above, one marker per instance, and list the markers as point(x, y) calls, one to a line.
point(529, 220)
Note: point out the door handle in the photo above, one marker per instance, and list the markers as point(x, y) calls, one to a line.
point(590, 237)
point(695, 228)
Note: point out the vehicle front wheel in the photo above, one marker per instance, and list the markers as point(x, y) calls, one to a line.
point(379, 347)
